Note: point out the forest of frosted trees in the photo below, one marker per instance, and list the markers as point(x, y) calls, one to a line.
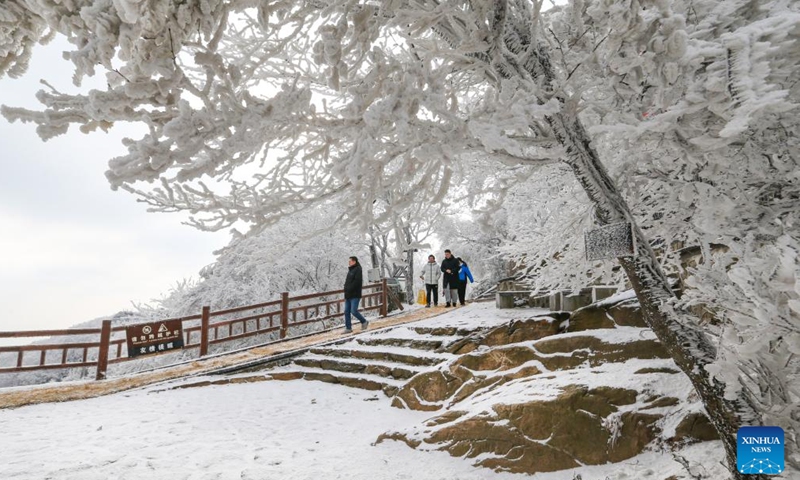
point(506, 125)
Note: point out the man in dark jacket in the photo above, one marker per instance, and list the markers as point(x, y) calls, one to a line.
point(450, 279)
point(352, 295)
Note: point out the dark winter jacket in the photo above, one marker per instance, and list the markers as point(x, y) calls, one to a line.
point(464, 274)
point(352, 285)
point(450, 278)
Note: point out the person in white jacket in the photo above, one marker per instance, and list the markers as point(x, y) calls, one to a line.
point(430, 275)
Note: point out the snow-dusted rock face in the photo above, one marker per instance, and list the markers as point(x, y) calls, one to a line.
point(549, 393)
point(623, 313)
point(580, 426)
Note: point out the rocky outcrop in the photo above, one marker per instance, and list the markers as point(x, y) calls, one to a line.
point(695, 427)
point(428, 391)
point(515, 331)
point(580, 426)
point(470, 373)
point(604, 315)
point(588, 394)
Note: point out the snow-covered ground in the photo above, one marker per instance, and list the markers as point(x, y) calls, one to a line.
point(269, 430)
point(264, 430)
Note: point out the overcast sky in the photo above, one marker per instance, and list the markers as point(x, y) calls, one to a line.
point(70, 248)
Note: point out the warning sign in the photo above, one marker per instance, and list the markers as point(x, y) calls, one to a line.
point(157, 337)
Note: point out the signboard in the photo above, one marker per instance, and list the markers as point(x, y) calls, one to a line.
point(374, 275)
point(610, 241)
point(158, 337)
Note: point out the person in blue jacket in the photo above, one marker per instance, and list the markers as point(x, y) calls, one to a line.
point(463, 275)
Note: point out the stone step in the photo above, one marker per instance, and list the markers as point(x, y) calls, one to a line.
point(416, 343)
point(364, 381)
point(194, 383)
point(374, 367)
point(382, 353)
point(443, 331)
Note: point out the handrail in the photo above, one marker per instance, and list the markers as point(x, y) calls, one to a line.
point(49, 346)
point(49, 333)
point(247, 307)
point(251, 324)
point(331, 292)
point(314, 295)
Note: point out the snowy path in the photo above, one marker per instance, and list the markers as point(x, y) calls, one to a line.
point(269, 430)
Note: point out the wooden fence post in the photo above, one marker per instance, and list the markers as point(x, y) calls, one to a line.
point(204, 331)
point(284, 314)
point(102, 355)
point(384, 298)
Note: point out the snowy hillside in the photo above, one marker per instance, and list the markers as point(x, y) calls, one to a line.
point(244, 426)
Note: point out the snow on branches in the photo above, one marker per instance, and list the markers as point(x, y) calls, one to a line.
point(258, 110)
point(254, 113)
point(703, 140)
point(19, 32)
point(290, 256)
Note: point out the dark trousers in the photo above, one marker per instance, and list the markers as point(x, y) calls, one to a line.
point(462, 292)
point(432, 288)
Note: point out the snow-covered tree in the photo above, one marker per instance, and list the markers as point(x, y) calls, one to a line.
point(301, 254)
point(403, 233)
point(479, 246)
point(260, 109)
point(548, 215)
point(699, 125)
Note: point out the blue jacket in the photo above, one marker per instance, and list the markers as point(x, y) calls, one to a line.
point(464, 273)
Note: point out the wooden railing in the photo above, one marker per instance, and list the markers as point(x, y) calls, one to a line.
point(199, 331)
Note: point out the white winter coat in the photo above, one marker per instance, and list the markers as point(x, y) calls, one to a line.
point(431, 273)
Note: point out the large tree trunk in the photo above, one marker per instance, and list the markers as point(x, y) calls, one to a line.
point(685, 342)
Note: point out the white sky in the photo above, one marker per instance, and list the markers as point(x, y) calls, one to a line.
point(70, 248)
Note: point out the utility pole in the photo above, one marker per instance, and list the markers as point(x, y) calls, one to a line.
point(410, 264)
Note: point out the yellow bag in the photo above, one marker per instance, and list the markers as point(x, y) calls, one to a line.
point(421, 298)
